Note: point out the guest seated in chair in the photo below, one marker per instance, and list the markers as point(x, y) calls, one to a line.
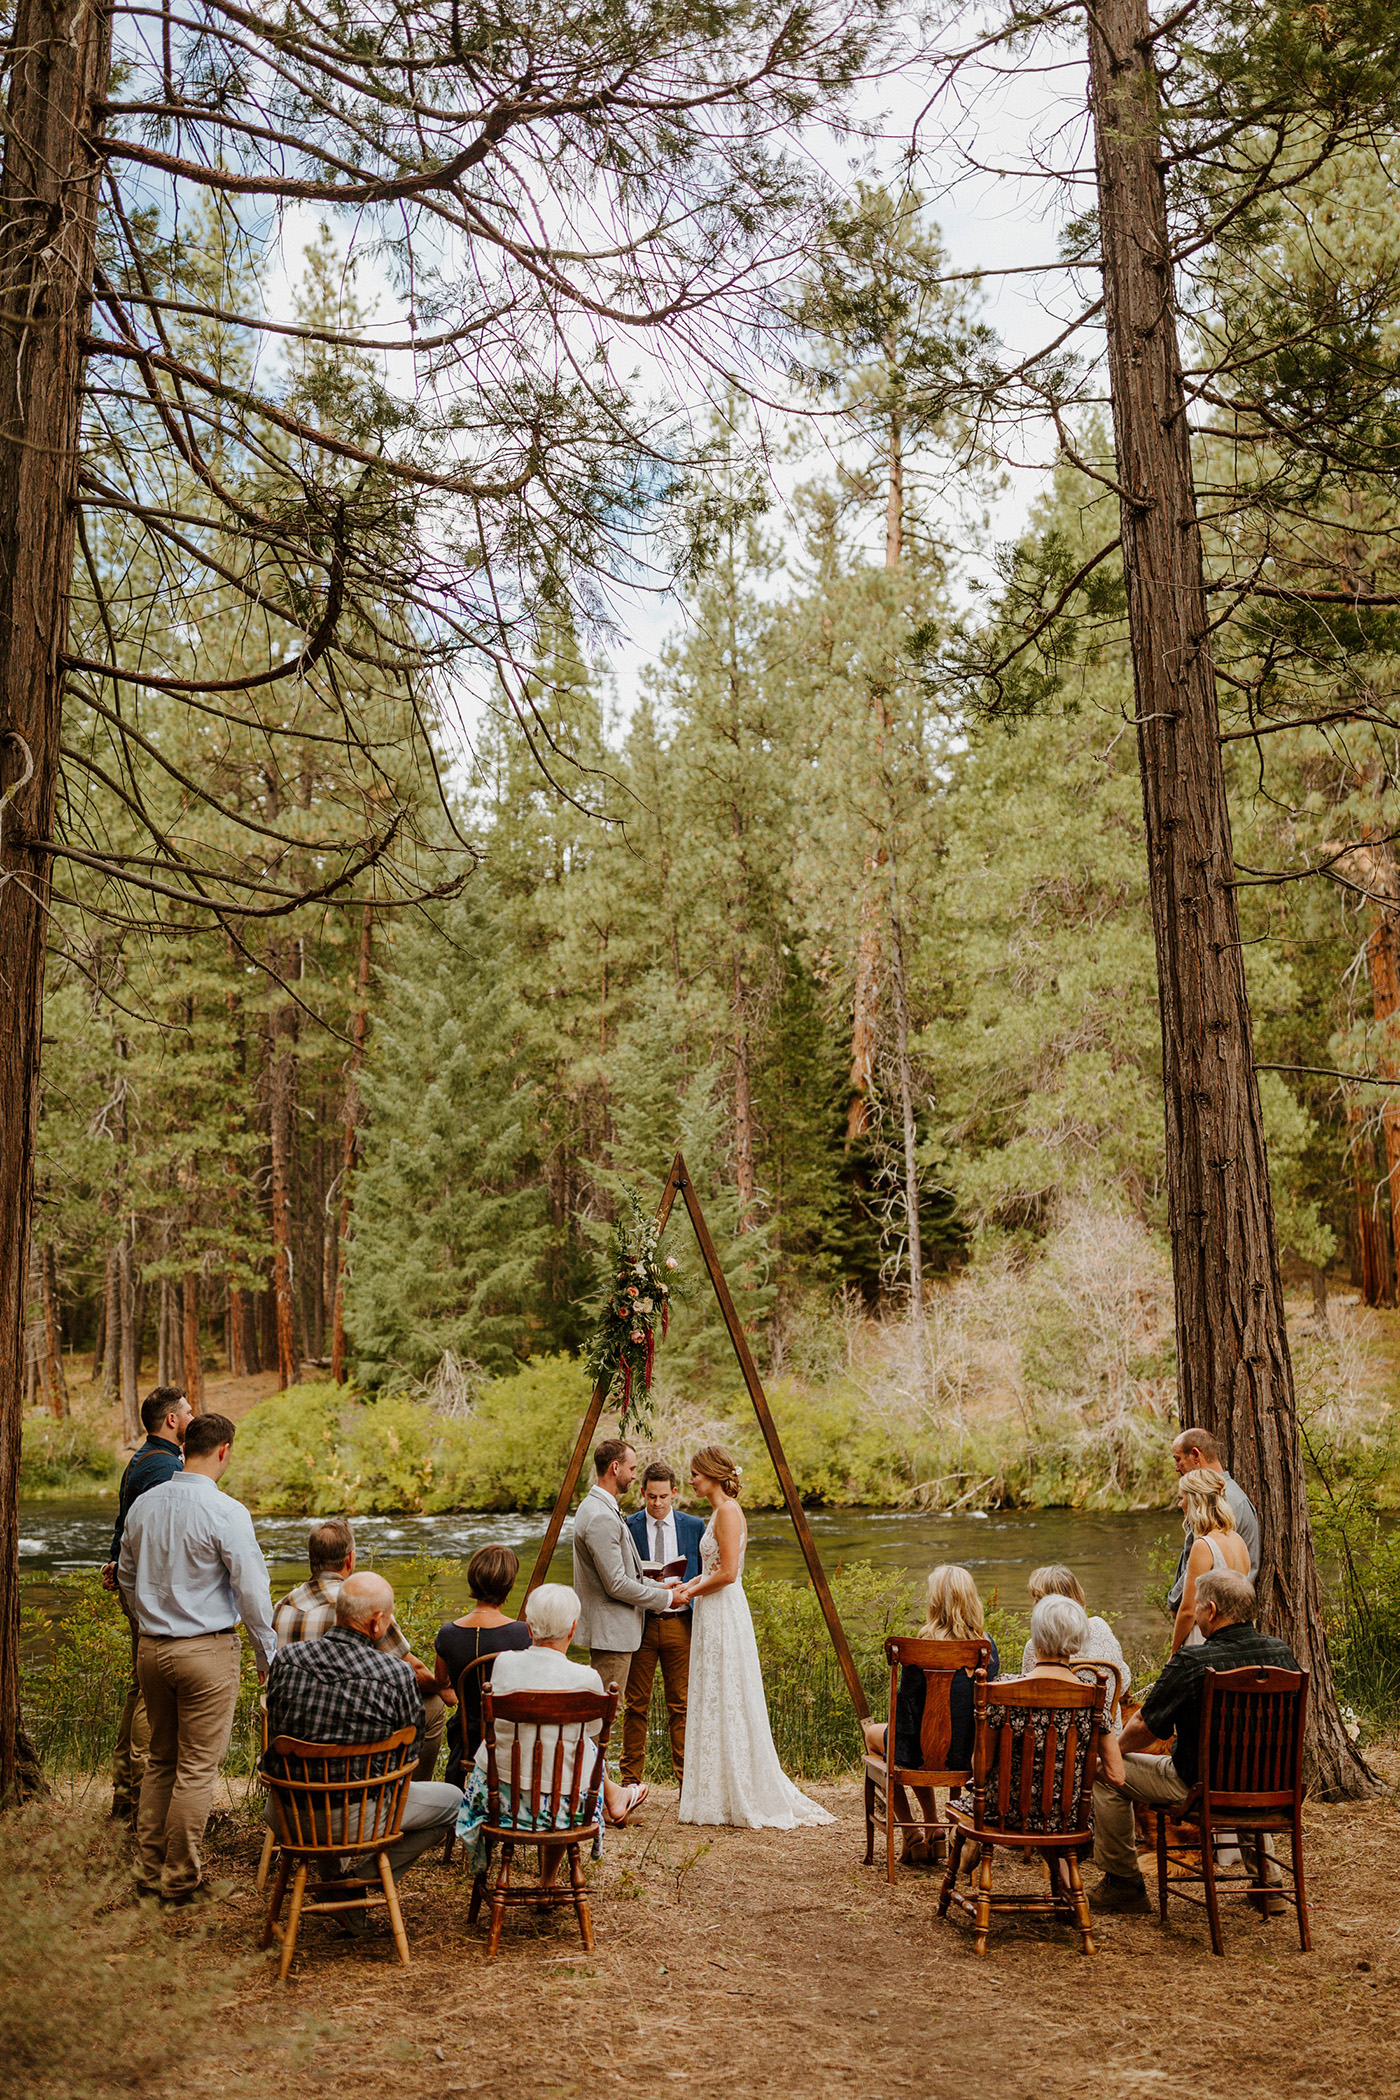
point(552, 1615)
point(954, 1614)
point(1101, 1643)
point(485, 1630)
point(1059, 1629)
point(1229, 1641)
point(343, 1688)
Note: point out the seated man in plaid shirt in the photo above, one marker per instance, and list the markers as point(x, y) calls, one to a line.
point(308, 1611)
point(343, 1688)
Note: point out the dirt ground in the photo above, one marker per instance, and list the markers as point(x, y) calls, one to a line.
point(737, 1963)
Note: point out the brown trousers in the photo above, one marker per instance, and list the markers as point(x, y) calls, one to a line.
point(191, 1691)
point(666, 1640)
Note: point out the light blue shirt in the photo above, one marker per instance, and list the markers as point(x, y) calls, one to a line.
point(190, 1564)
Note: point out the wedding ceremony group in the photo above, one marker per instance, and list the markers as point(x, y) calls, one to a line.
point(1046, 1763)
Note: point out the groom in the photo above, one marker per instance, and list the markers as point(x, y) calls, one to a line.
point(612, 1589)
point(662, 1533)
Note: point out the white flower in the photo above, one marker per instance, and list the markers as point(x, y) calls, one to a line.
point(670, 1261)
point(644, 1305)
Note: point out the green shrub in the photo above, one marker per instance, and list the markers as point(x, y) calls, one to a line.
point(64, 1457)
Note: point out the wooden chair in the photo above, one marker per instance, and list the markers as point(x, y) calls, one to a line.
point(1251, 1766)
point(553, 1816)
point(941, 1663)
point(1034, 1761)
point(1106, 1672)
point(269, 1845)
point(329, 1800)
point(472, 1681)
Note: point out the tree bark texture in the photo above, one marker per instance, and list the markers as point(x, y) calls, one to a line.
point(130, 1342)
point(1372, 1270)
point(112, 1329)
point(48, 193)
point(744, 1177)
point(1236, 1375)
point(359, 1029)
point(55, 1384)
point(906, 1102)
point(1383, 961)
point(282, 1130)
point(194, 1366)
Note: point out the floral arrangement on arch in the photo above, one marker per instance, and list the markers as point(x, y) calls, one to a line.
point(640, 1289)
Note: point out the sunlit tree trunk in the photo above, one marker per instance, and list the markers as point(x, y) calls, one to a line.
point(359, 1029)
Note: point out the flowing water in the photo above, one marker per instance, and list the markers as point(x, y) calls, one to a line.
point(1115, 1557)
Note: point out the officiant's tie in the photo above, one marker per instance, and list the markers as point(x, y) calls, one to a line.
point(659, 1556)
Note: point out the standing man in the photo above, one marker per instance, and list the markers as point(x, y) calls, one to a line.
point(612, 1589)
point(661, 1533)
point(309, 1611)
point(192, 1568)
point(1197, 1447)
point(165, 1416)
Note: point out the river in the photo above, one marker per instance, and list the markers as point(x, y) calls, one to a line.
point(1114, 1556)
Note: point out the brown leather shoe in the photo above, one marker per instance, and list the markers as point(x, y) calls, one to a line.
point(1115, 1892)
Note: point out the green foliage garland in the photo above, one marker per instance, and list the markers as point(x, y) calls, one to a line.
point(640, 1289)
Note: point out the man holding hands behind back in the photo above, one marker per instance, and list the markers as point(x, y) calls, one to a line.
point(662, 1533)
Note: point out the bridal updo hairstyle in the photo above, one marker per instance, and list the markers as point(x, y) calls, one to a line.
point(712, 1462)
point(1202, 1496)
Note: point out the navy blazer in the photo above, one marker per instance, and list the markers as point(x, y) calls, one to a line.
point(689, 1532)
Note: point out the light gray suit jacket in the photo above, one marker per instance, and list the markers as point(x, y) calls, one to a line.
point(608, 1576)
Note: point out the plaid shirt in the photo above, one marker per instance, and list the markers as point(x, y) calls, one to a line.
point(341, 1689)
point(1175, 1701)
point(307, 1613)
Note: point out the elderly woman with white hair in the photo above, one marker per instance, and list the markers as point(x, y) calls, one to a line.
point(1059, 1630)
point(551, 1613)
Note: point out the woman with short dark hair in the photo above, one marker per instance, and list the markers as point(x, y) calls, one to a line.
point(485, 1630)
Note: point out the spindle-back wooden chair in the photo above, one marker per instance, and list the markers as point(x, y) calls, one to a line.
point(1034, 1762)
point(473, 1679)
point(942, 1662)
point(331, 1799)
point(1251, 1767)
point(536, 1808)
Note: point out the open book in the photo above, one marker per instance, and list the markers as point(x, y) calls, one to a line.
point(660, 1572)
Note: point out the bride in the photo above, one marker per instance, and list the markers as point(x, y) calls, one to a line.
point(732, 1774)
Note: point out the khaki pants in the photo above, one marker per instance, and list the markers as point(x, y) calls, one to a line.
point(434, 1721)
point(1155, 1779)
point(191, 1690)
point(133, 1735)
point(666, 1639)
point(612, 1668)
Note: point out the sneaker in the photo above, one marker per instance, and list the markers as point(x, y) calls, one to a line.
point(1117, 1892)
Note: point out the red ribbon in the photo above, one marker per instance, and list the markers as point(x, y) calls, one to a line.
point(651, 1356)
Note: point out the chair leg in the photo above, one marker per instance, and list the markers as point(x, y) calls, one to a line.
point(274, 1901)
point(984, 1899)
point(1162, 1863)
point(448, 1843)
point(950, 1879)
point(889, 1828)
point(478, 1891)
point(869, 1819)
point(268, 1847)
point(289, 1933)
point(391, 1897)
point(1300, 1893)
point(585, 1917)
point(1212, 1897)
point(1080, 1901)
point(498, 1903)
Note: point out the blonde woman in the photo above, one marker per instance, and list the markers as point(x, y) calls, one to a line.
point(1101, 1643)
point(732, 1773)
point(1215, 1544)
point(954, 1614)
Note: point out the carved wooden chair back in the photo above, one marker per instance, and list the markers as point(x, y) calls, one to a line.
point(1250, 1760)
point(942, 1664)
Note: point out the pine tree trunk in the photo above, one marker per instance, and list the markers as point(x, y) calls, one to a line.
point(906, 1099)
point(237, 1331)
point(60, 51)
point(1383, 962)
point(112, 1329)
point(282, 1130)
point(131, 1342)
point(99, 1340)
point(1372, 1268)
point(359, 1029)
point(1236, 1375)
point(55, 1384)
point(163, 1366)
point(193, 1380)
point(743, 1100)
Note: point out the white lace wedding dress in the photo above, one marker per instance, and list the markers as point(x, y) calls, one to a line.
point(732, 1774)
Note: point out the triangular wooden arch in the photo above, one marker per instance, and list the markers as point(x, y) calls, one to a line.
point(679, 1184)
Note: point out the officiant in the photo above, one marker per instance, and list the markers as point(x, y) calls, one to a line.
point(663, 1534)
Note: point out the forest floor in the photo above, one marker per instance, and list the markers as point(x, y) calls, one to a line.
point(761, 1964)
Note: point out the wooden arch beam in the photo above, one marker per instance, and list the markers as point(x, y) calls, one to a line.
point(678, 1183)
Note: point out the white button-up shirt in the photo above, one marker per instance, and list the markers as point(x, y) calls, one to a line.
point(191, 1564)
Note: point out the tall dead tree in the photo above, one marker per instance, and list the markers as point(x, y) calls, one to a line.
point(1236, 1376)
point(359, 1029)
point(48, 232)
